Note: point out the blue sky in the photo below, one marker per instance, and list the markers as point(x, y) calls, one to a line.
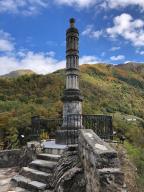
point(32, 32)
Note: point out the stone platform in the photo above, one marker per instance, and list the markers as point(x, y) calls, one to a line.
point(52, 148)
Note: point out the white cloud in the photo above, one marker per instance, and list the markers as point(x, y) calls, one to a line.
point(41, 63)
point(140, 52)
point(117, 58)
point(128, 61)
point(89, 60)
point(25, 7)
point(111, 4)
point(90, 32)
point(31, 7)
point(124, 3)
point(51, 53)
point(132, 30)
point(76, 3)
point(6, 43)
point(114, 48)
point(128, 28)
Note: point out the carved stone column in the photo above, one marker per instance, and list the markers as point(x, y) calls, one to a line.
point(72, 99)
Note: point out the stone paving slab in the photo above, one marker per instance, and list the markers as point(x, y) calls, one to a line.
point(5, 176)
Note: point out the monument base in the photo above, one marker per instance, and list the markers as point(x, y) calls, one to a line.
point(67, 137)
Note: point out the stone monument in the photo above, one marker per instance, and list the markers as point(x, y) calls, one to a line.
point(72, 99)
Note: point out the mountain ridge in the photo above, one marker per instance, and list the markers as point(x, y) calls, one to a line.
point(17, 73)
point(133, 66)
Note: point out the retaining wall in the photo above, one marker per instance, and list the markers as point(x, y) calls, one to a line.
point(100, 162)
point(16, 157)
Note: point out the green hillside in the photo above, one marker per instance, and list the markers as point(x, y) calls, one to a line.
point(18, 73)
point(107, 89)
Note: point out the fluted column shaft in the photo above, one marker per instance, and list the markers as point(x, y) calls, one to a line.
point(72, 98)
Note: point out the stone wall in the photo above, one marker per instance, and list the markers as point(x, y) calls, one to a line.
point(16, 157)
point(100, 163)
point(9, 158)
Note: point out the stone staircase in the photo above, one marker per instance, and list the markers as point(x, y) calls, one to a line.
point(36, 177)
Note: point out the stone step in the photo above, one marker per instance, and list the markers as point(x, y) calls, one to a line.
point(54, 151)
point(19, 189)
point(48, 157)
point(26, 183)
point(43, 165)
point(35, 175)
point(51, 147)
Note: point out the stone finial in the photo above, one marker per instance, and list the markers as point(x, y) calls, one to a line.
point(72, 22)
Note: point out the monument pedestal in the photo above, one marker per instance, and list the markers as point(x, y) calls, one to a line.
point(67, 137)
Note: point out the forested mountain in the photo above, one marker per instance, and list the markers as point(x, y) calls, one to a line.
point(107, 89)
point(131, 66)
point(18, 73)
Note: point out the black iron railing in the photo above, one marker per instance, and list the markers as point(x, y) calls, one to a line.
point(100, 124)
